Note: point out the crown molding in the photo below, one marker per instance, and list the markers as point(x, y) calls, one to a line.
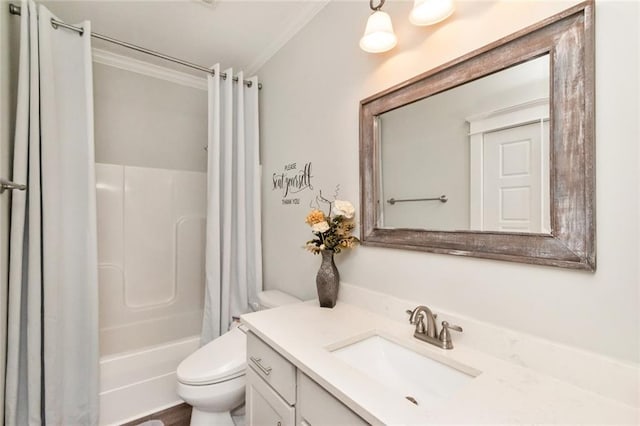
point(289, 32)
point(127, 63)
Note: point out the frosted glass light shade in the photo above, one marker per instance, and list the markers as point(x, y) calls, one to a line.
point(378, 35)
point(429, 12)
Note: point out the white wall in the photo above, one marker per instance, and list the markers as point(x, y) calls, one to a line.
point(148, 122)
point(425, 154)
point(310, 100)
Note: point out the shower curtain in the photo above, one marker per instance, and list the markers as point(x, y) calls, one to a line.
point(52, 339)
point(233, 243)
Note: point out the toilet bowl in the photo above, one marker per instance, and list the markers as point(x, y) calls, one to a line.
point(212, 379)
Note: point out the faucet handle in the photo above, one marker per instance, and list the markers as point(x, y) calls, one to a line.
point(413, 319)
point(420, 324)
point(446, 325)
point(445, 336)
point(409, 312)
point(418, 320)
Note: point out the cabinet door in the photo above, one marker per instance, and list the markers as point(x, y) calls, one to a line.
point(264, 405)
point(317, 407)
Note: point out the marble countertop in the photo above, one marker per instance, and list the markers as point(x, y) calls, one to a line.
point(502, 393)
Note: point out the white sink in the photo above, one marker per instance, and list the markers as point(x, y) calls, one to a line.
point(407, 373)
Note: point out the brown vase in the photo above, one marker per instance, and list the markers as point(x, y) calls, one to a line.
point(327, 280)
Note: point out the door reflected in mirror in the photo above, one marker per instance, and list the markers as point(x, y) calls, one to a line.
point(471, 158)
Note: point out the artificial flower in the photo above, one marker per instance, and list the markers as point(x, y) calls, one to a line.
point(315, 216)
point(332, 231)
point(343, 208)
point(320, 226)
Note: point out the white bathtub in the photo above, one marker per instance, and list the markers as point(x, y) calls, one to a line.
point(142, 382)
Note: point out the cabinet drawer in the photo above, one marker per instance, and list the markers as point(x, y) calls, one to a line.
point(317, 407)
point(264, 406)
point(279, 373)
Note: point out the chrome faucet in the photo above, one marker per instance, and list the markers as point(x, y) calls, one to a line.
point(430, 333)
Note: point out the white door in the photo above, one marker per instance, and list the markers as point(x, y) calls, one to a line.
point(516, 179)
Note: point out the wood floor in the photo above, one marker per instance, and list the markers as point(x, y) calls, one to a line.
point(180, 415)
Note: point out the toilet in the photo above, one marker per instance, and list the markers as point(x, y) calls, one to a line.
point(212, 379)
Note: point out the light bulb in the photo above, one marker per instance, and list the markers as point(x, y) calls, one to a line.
point(378, 34)
point(429, 12)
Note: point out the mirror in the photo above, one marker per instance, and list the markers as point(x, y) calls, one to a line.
point(490, 155)
point(474, 157)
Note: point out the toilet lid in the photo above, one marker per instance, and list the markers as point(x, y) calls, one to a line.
point(275, 298)
point(222, 359)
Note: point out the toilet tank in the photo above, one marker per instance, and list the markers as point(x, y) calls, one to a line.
point(274, 298)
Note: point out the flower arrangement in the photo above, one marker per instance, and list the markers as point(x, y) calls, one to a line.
point(333, 230)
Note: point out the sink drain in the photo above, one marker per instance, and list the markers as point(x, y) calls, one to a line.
point(412, 399)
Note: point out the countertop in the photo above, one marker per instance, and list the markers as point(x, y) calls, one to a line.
point(502, 392)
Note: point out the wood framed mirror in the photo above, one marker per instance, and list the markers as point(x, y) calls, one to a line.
point(490, 155)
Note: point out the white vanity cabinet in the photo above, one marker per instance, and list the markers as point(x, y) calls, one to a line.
point(317, 407)
point(271, 385)
point(280, 395)
point(264, 405)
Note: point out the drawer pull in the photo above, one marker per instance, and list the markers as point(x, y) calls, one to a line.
point(258, 362)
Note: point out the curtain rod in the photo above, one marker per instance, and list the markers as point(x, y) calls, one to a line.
point(16, 10)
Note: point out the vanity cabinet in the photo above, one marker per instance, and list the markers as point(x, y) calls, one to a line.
point(278, 394)
point(271, 385)
point(317, 407)
point(264, 405)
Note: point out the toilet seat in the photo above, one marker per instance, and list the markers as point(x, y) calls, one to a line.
point(220, 360)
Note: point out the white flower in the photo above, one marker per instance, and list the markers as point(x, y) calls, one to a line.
point(343, 208)
point(320, 226)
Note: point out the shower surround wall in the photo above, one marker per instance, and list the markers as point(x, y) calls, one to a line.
point(151, 227)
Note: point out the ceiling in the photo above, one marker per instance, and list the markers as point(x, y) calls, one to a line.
point(234, 33)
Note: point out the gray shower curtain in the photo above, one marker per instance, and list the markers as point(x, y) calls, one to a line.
point(52, 327)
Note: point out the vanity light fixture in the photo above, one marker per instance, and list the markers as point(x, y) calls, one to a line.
point(378, 34)
point(429, 12)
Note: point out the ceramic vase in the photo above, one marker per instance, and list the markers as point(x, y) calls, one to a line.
point(327, 280)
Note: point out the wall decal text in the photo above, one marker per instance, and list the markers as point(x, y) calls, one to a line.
point(292, 181)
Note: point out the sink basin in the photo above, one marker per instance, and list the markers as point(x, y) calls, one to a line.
point(421, 380)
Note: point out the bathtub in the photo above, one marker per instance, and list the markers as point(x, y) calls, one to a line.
point(137, 383)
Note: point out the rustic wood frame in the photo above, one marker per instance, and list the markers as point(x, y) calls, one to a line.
point(569, 39)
